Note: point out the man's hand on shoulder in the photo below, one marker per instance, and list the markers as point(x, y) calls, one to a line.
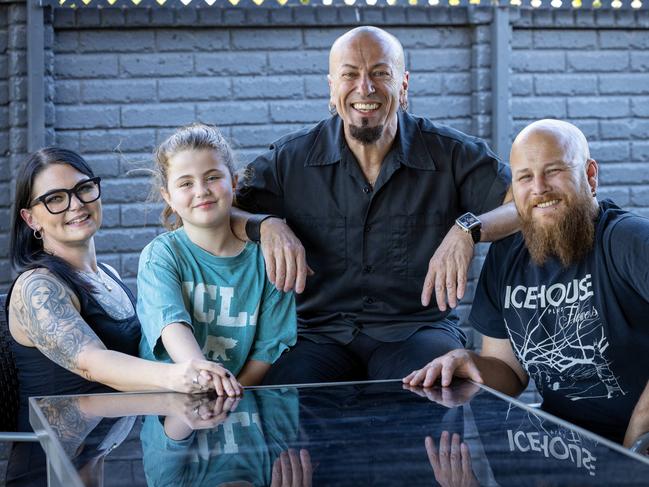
point(284, 256)
point(447, 269)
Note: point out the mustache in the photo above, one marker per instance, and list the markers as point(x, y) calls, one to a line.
point(542, 199)
point(535, 200)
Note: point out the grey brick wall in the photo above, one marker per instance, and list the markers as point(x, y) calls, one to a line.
point(12, 112)
point(119, 81)
point(118, 92)
point(596, 75)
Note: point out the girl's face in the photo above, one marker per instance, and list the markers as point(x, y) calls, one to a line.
point(71, 227)
point(199, 188)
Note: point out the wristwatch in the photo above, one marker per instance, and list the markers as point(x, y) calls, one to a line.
point(470, 224)
point(253, 226)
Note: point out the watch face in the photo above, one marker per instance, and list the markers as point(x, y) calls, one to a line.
point(468, 220)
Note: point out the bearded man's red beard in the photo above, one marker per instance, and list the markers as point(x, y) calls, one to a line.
point(569, 237)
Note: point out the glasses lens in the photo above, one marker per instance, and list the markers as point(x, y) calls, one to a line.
point(57, 202)
point(88, 191)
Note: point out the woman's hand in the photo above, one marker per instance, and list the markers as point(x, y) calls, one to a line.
point(196, 375)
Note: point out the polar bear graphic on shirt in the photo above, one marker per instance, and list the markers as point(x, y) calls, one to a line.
point(216, 348)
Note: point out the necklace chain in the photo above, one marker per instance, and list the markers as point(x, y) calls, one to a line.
point(97, 277)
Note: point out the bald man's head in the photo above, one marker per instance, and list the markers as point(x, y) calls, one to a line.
point(565, 136)
point(366, 34)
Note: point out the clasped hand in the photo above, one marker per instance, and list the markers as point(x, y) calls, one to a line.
point(200, 375)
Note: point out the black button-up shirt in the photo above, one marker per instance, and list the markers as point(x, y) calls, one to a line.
point(370, 246)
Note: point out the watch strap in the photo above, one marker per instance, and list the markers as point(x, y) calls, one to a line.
point(476, 234)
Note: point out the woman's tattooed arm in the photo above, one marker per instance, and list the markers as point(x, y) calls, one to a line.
point(47, 315)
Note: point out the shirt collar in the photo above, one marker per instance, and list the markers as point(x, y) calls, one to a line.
point(412, 149)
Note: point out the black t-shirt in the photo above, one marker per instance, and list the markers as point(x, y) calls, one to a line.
point(370, 246)
point(582, 332)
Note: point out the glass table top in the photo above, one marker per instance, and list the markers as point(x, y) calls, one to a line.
point(347, 434)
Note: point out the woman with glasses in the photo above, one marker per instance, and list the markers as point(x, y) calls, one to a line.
point(71, 318)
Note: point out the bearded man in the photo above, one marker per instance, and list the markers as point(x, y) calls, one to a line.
point(566, 300)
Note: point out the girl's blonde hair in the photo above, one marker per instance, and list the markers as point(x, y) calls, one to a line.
point(197, 136)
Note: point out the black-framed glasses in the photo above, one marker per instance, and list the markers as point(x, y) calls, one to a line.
point(58, 200)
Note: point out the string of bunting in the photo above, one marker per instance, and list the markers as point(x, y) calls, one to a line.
point(575, 4)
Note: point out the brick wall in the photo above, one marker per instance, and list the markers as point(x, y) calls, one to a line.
point(12, 113)
point(119, 81)
point(120, 91)
point(598, 79)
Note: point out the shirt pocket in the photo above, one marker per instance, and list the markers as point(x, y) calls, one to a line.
point(324, 240)
point(414, 239)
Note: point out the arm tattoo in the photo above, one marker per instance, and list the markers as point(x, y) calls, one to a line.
point(67, 420)
point(51, 321)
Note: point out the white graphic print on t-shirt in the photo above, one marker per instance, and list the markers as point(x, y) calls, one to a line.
point(558, 336)
point(205, 305)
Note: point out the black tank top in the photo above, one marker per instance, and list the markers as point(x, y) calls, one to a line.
point(39, 376)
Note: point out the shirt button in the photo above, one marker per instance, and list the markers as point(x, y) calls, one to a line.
point(367, 189)
point(369, 299)
point(368, 228)
point(367, 269)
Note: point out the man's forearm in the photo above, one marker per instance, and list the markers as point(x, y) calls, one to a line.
point(498, 375)
point(499, 223)
point(238, 219)
point(639, 422)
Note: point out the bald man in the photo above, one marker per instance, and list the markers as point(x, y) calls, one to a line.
point(566, 300)
point(370, 194)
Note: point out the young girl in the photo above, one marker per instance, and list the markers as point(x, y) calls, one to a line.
point(201, 291)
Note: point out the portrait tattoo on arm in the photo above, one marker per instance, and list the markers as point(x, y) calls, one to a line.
point(51, 321)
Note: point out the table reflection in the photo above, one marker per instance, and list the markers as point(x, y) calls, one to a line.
point(342, 435)
point(219, 441)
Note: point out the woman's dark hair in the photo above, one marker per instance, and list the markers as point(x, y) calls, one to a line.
point(26, 251)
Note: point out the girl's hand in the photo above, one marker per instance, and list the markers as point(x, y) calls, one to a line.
point(227, 384)
point(198, 375)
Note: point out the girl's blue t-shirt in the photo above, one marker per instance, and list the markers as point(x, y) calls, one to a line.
point(234, 311)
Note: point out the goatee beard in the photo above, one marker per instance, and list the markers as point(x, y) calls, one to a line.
point(569, 239)
point(364, 134)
